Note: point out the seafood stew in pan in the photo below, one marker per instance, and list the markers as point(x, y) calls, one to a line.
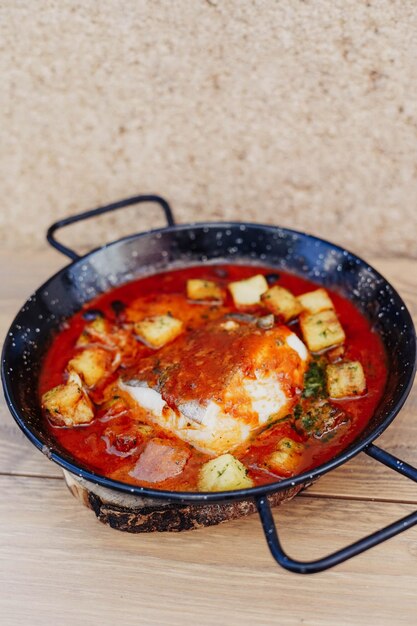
point(211, 378)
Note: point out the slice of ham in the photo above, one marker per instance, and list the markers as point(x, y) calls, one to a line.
point(160, 460)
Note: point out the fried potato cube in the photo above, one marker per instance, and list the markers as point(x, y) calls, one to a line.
point(249, 291)
point(281, 302)
point(99, 325)
point(345, 380)
point(92, 364)
point(203, 290)
point(98, 328)
point(321, 330)
point(158, 330)
point(287, 456)
point(113, 407)
point(223, 474)
point(68, 404)
point(315, 301)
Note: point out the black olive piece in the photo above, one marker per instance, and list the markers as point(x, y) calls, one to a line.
point(271, 278)
point(118, 307)
point(92, 314)
point(221, 272)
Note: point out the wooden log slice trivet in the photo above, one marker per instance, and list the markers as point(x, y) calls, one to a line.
point(135, 514)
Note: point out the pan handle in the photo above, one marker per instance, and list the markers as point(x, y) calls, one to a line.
point(319, 565)
point(99, 211)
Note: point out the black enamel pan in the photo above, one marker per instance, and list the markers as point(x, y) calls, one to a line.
point(178, 245)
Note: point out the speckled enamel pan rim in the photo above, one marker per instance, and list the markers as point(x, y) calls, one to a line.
point(202, 497)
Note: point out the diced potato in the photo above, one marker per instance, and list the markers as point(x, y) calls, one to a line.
point(315, 301)
point(112, 407)
point(345, 380)
point(249, 291)
point(68, 404)
point(94, 330)
point(281, 302)
point(321, 330)
point(92, 364)
point(119, 340)
point(223, 474)
point(287, 456)
point(99, 325)
point(158, 330)
point(203, 290)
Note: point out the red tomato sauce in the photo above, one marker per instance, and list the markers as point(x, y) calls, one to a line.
point(110, 444)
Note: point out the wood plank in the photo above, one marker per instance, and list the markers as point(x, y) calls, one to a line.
point(60, 558)
point(362, 477)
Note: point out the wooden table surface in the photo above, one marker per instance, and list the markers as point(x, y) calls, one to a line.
point(59, 565)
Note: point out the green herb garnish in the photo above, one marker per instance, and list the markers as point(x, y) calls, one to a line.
point(315, 381)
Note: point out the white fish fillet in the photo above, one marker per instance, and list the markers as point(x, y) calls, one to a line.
point(207, 426)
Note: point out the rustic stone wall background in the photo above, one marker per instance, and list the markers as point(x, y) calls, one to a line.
point(300, 113)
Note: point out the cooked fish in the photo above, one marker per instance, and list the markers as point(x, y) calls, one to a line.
point(216, 386)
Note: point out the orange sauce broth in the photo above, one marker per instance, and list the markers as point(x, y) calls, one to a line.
point(89, 444)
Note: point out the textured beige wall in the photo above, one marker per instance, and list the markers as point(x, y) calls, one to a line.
point(297, 113)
